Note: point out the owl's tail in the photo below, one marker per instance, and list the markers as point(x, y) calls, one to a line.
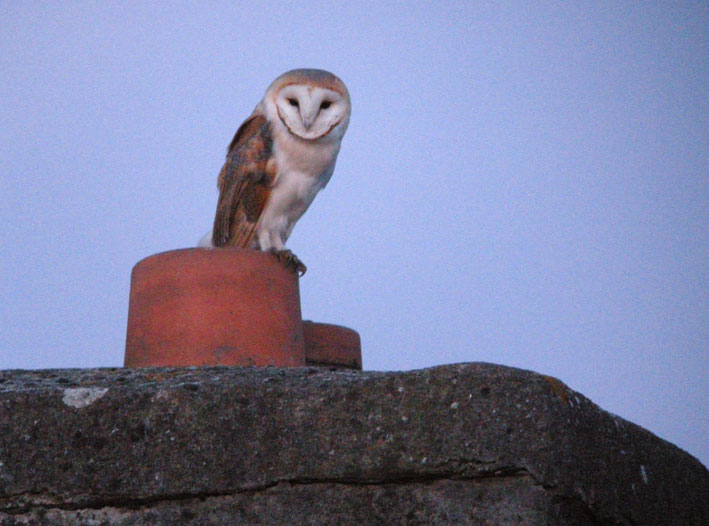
point(205, 241)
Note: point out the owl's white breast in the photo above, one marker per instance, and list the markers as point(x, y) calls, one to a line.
point(303, 169)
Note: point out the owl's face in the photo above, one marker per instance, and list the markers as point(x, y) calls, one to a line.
point(312, 104)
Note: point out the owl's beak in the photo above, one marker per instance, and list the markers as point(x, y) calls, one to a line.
point(307, 117)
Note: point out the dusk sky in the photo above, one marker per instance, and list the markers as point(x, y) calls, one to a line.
point(522, 183)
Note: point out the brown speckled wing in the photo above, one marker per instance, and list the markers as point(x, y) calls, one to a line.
point(245, 183)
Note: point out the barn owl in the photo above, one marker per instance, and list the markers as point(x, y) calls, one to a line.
point(278, 160)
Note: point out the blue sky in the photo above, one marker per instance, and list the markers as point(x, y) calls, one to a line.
point(521, 183)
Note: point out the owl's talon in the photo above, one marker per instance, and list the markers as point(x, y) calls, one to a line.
point(300, 268)
point(291, 261)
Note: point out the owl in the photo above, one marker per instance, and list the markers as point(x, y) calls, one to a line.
point(278, 160)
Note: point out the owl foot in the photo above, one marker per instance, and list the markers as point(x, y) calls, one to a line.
point(291, 261)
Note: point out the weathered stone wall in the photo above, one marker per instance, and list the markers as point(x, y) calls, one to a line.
point(459, 444)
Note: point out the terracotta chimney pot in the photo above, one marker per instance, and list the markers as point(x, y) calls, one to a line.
point(214, 307)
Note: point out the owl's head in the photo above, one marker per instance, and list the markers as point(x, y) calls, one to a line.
point(311, 103)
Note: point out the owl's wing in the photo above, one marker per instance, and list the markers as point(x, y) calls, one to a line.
point(245, 183)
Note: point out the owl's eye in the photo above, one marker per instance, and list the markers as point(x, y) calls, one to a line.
point(325, 104)
point(293, 102)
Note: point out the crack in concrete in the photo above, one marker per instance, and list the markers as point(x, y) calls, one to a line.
point(46, 503)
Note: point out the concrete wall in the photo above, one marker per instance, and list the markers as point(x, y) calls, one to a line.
point(458, 444)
